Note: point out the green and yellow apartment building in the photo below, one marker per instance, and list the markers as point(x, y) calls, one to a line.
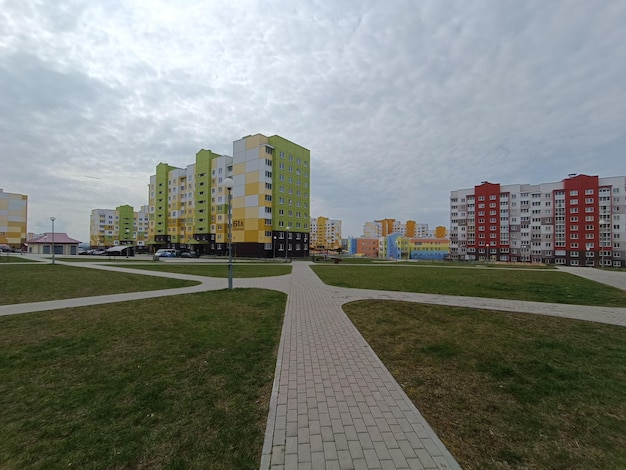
point(270, 197)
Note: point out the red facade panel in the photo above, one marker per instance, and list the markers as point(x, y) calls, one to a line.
point(582, 205)
point(487, 215)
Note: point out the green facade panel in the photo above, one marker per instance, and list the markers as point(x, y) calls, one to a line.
point(291, 184)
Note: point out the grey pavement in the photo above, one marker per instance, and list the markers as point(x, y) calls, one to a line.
point(605, 276)
point(333, 403)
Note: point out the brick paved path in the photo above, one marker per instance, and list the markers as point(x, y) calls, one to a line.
point(334, 404)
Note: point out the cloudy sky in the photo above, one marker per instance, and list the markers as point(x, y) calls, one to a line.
point(399, 101)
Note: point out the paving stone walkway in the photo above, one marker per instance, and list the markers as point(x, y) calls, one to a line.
point(334, 404)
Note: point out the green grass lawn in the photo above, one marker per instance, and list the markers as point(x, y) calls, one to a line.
point(184, 381)
point(514, 284)
point(220, 270)
point(37, 282)
point(507, 390)
point(102, 259)
point(12, 258)
point(176, 382)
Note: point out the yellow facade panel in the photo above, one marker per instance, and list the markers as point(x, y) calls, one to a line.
point(251, 236)
point(254, 188)
point(239, 168)
point(239, 213)
point(252, 177)
point(255, 141)
point(252, 212)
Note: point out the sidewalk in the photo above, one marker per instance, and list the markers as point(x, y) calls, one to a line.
point(334, 404)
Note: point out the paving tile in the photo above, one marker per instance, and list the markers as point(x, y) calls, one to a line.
point(304, 452)
point(356, 451)
point(341, 443)
point(318, 461)
point(317, 443)
point(330, 451)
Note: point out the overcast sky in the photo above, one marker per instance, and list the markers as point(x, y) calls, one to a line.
point(399, 102)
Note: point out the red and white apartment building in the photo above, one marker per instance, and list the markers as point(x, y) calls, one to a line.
point(579, 221)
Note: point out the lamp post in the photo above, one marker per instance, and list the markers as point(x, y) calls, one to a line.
point(487, 252)
point(228, 184)
point(602, 234)
point(52, 219)
point(274, 248)
point(286, 242)
point(127, 244)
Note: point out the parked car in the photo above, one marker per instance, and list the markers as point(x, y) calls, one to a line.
point(166, 253)
point(190, 254)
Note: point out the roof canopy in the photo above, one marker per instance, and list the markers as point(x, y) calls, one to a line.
point(118, 249)
point(60, 238)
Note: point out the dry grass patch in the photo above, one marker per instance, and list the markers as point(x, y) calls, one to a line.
point(39, 282)
point(177, 382)
point(515, 284)
point(507, 390)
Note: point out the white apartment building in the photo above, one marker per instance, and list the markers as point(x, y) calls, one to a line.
point(579, 221)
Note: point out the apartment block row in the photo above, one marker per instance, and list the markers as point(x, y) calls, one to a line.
point(579, 221)
point(410, 229)
point(188, 207)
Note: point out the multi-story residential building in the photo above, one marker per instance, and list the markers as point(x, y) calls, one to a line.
point(119, 226)
point(410, 229)
point(183, 202)
point(325, 233)
point(13, 216)
point(382, 228)
point(579, 221)
point(372, 230)
point(269, 199)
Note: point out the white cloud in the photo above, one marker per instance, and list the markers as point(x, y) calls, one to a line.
point(399, 102)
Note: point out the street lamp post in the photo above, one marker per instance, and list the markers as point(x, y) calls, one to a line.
point(52, 219)
point(487, 252)
point(228, 184)
point(274, 248)
point(127, 244)
point(602, 235)
point(286, 242)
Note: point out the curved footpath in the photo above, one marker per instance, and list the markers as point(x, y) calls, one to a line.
point(334, 404)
